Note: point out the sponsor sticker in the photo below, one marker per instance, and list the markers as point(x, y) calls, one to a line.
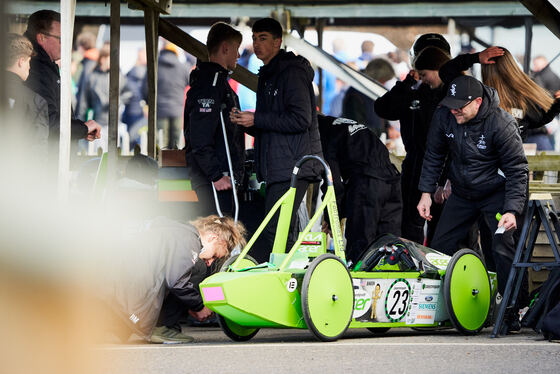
point(291, 286)
point(397, 300)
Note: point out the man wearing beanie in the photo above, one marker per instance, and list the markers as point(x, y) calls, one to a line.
point(488, 170)
point(413, 104)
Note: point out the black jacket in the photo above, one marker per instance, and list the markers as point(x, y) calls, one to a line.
point(547, 79)
point(210, 94)
point(486, 154)
point(414, 109)
point(26, 117)
point(359, 107)
point(285, 125)
point(44, 79)
point(350, 149)
point(530, 123)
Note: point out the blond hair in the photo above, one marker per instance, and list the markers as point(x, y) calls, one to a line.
point(224, 227)
point(515, 88)
point(18, 46)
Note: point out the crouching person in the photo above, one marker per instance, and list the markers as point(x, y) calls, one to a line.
point(366, 183)
point(157, 263)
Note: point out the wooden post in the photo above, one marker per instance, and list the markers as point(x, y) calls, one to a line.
point(114, 73)
point(151, 17)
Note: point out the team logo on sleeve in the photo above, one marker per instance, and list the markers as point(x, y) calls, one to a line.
point(206, 105)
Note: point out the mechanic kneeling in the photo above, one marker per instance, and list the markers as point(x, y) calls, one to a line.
point(156, 261)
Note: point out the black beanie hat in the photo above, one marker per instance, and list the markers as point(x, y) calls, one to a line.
point(430, 40)
point(431, 58)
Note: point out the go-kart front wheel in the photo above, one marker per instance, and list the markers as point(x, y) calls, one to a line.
point(327, 297)
point(466, 289)
point(234, 331)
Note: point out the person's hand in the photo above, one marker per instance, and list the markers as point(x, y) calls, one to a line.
point(414, 74)
point(485, 57)
point(447, 189)
point(508, 221)
point(424, 206)
point(94, 130)
point(557, 94)
point(326, 228)
point(222, 184)
point(201, 315)
point(245, 119)
point(438, 195)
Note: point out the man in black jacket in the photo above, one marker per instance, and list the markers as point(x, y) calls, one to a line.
point(285, 121)
point(43, 30)
point(367, 184)
point(208, 103)
point(488, 170)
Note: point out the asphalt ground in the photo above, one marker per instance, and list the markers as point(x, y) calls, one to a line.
point(359, 351)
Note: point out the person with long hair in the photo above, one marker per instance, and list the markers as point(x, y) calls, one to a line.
point(531, 105)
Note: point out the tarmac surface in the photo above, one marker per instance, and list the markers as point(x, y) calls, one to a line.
point(359, 351)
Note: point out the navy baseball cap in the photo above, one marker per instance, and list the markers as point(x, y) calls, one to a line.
point(462, 90)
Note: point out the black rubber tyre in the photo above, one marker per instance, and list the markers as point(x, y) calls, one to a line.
point(378, 330)
point(234, 331)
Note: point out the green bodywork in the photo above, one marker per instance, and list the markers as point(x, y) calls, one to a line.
point(270, 294)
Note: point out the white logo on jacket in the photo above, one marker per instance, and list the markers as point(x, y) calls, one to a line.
point(450, 135)
point(206, 102)
point(352, 129)
point(481, 143)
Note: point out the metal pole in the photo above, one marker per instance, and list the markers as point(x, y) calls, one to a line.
point(151, 22)
point(114, 90)
point(67, 12)
point(528, 41)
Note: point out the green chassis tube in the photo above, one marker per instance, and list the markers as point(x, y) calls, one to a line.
point(270, 294)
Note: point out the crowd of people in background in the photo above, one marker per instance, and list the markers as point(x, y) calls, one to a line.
point(201, 109)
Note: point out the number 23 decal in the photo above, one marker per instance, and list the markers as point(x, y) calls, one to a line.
point(396, 303)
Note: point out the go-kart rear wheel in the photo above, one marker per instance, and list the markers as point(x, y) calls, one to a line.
point(466, 289)
point(234, 331)
point(378, 330)
point(327, 297)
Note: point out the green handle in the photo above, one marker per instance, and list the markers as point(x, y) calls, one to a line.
point(498, 216)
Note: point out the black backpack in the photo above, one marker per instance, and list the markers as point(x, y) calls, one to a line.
point(544, 312)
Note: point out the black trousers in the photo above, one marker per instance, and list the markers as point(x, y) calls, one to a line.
point(456, 220)
point(373, 207)
point(274, 191)
point(207, 203)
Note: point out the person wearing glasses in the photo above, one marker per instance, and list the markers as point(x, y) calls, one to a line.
point(488, 170)
point(43, 30)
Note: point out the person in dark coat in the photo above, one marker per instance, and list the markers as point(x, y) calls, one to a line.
point(133, 110)
point(284, 124)
point(25, 113)
point(413, 104)
point(358, 106)
point(173, 79)
point(208, 103)
point(370, 193)
point(86, 46)
point(488, 170)
point(43, 30)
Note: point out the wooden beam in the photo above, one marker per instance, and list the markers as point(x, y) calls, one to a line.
point(198, 49)
point(151, 18)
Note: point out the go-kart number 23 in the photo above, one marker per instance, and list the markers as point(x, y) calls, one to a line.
point(396, 303)
point(397, 300)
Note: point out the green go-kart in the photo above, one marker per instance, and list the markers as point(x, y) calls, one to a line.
point(397, 283)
